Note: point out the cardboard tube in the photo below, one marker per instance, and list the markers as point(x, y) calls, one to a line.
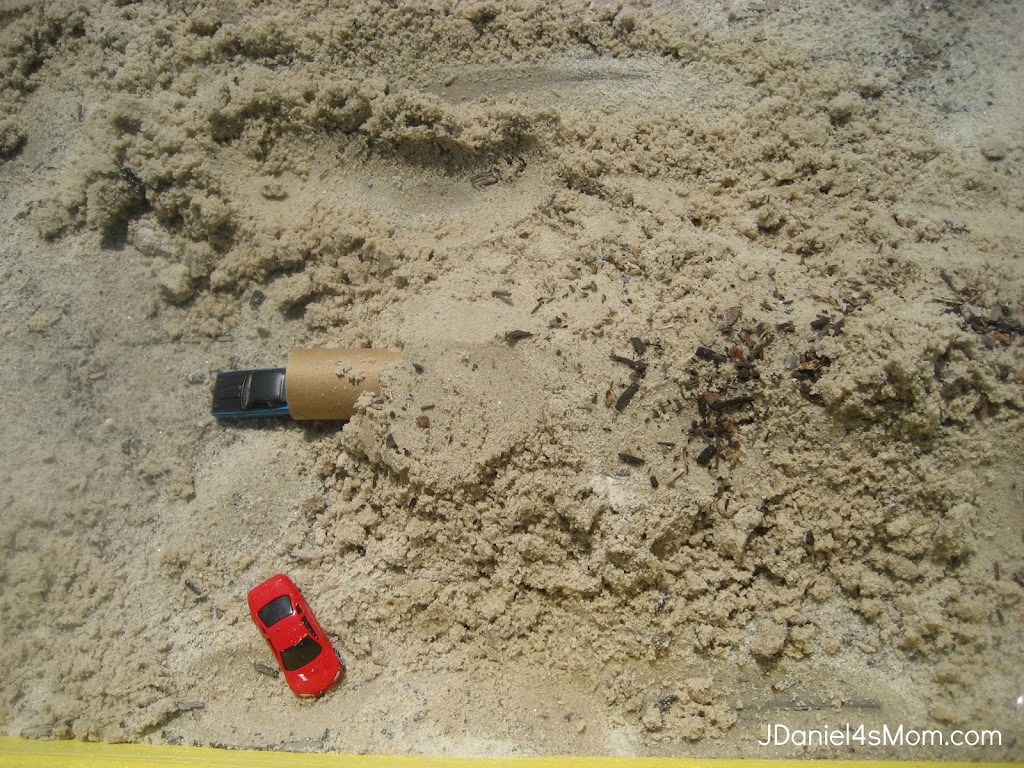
point(324, 384)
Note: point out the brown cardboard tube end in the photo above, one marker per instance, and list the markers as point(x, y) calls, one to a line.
point(324, 384)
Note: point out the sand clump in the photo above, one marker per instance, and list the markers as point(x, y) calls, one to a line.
point(711, 376)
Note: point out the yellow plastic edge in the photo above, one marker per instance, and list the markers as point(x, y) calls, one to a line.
point(17, 752)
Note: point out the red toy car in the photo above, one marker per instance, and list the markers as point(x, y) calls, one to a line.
point(302, 648)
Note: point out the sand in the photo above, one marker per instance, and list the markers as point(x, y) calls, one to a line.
point(710, 408)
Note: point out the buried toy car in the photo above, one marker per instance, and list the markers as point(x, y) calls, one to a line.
point(300, 645)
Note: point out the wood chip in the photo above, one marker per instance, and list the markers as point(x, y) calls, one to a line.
point(676, 474)
point(637, 365)
point(731, 316)
point(705, 456)
point(706, 353)
point(732, 402)
point(626, 396)
point(629, 458)
point(266, 669)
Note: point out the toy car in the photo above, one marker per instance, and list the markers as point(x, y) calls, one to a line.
point(250, 394)
point(300, 645)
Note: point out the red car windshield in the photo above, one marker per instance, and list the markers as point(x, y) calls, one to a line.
point(300, 654)
point(275, 610)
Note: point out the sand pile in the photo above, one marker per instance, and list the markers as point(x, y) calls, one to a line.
point(712, 385)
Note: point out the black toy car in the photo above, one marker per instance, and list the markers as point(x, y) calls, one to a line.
point(250, 394)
